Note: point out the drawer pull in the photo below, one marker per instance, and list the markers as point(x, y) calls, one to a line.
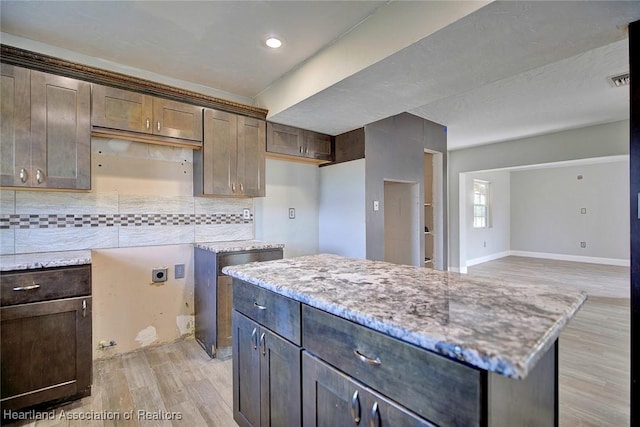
point(367, 360)
point(263, 346)
point(84, 309)
point(27, 288)
point(355, 407)
point(259, 307)
point(375, 415)
point(254, 338)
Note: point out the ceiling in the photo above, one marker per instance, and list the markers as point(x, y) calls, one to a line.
point(489, 71)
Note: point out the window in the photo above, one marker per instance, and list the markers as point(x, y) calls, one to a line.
point(480, 203)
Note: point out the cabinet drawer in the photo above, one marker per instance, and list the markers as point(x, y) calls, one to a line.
point(443, 391)
point(247, 256)
point(25, 286)
point(275, 312)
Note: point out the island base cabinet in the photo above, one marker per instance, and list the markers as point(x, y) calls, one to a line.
point(266, 376)
point(334, 399)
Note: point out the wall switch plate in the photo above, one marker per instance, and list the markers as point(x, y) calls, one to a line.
point(583, 211)
point(292, 213)
point(376, 205)
point(583, 244)
point(159, 274)
point(246, 213)
point(178, 271)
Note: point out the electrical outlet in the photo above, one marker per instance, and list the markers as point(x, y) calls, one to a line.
point(292, 213)
point(246, 213)
point(376, 205)
point(583, 211)
point(178, 271)
point(159, 274)
point(583, 244)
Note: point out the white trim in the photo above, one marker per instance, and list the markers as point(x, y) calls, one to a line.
point(577, 258)
point(488, 258)
point(462, 270)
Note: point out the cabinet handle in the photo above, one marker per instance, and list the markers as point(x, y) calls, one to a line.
point(254, 338)
point(375, 415)
point(300, 149)
point(39, 176)
point(84, 308)
point(23, 175)
point(233, 187)
point(241, 188)
point(367, 360)
point(259, 307)
point(148, 123)
point(355, 407)
point(158, 125)
point(263, 346)
point(306, 150)
point(26, 288)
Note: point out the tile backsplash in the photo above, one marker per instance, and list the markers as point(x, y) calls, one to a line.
point(126, 208)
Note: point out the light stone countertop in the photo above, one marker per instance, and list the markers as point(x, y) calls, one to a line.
point(500, 326)
point(44, 260)
point(237, 246)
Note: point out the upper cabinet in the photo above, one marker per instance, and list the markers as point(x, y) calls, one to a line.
point(46, 133)
point(297, 143)
point(231, 162)
point(144, 117)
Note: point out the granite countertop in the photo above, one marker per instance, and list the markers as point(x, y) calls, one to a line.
point(44, 260)
point(237, 246)
point(500, 326)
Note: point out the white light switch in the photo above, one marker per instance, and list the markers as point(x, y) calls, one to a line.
point(376, 205)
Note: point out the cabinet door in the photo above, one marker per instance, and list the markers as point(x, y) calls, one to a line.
point(280, 381)
point(334, 399)
point(121, 109)
point(60, 132)
point(205, 300)
point(15, 139)
point(177, 119)
point(317, 145)
point(219, 153)
point(246, 371)
point(251, 162)
point(283, 139)
point(45, 351)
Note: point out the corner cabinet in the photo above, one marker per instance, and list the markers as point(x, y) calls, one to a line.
point(232, 159)
point(145, 118)
point(295, 143)
point(45, 336)
point(266, 358)
point(46, 130)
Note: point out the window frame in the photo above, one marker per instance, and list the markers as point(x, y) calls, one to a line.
point(481, 220)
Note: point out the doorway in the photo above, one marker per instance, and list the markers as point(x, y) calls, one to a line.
point(401, 220)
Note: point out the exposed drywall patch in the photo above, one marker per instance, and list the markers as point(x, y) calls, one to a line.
point(147, 336)
point(186, 324)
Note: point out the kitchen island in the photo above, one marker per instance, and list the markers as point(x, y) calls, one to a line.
point(397, 345)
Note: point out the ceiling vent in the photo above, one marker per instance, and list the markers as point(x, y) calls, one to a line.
point(619, 80)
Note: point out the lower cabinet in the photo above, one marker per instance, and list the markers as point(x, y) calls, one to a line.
point(333, 399)
point(266, 376)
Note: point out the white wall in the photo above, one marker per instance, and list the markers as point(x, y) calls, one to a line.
point(289, 185)
point(485, 244)
point(342, 209)
point(546, 211)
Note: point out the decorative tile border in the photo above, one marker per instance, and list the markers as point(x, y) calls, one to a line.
point(28, 221)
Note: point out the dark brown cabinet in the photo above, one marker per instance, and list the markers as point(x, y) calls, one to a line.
point(144, 115)
point(298, 143)
point(46, 132)
point(231, 162)
point(335, 399)
point(213, 294)
point(266, 376)
point(45, 344)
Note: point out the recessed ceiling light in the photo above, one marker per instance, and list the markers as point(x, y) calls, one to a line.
point(273, 42)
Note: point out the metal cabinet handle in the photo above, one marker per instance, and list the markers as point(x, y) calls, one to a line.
point(158, 125)
point(355, 408)
point(148, 123)
point(259, 307)
point(254, 338)
point(241, 188)
point(364, 359)
point(233, 187)
point(84, 308)
point(300, 149)
point(27, 288)
point(375, 415)
point(23, 175)
point(39, 176)
point(263, 346)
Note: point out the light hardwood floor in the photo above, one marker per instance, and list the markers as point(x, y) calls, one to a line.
point(180, 377)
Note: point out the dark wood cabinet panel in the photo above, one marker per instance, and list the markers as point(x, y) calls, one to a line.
point(349, 146)
point(231, 162)
point(317, 145)
point(295, 143)
point(46, 131)
point(121, 109)
point(25, 286)
point(246, 371)
point(177, 119)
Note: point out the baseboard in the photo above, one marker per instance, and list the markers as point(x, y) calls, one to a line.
point(462, 270)
point(492, 257)
point(576, 258)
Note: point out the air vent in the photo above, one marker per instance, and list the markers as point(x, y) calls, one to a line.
point(619, 80)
